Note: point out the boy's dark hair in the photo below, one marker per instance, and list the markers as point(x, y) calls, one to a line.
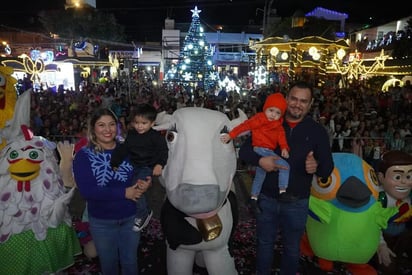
point(145, 110)
point(393, 158)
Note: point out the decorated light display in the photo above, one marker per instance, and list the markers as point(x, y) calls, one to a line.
point(229, 85)
point(42, 70)
point(356, 68)
point(195, 66)
point(295, 54)
point(260, 75)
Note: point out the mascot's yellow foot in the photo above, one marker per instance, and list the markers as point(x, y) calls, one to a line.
point(361, 269)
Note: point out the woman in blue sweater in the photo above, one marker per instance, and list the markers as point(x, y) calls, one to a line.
point(111, 196)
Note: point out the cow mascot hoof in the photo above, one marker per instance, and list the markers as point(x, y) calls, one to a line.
point(200, 211)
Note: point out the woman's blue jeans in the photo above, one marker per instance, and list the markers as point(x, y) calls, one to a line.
point(290, 219)
point(261, 174)
point(116, 244)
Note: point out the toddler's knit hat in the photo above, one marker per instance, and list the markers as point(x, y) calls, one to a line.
point(276, 100)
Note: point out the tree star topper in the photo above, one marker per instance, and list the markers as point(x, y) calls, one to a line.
point(195, 12)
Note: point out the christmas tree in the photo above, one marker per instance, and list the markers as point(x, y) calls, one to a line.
point(195, 67)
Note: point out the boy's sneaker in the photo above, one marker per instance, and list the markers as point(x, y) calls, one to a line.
point(140, 223)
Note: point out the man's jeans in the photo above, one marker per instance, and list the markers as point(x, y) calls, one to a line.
point(290, 219)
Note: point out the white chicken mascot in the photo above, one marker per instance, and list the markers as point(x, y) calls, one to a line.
point(36, 233)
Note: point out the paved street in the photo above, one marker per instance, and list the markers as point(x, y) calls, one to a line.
point(152, 250)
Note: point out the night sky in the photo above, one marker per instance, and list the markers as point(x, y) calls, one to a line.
point(145, 18)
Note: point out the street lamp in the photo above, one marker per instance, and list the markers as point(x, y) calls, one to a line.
point(79, 3)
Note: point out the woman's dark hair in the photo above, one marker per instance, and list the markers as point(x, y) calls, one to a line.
point(95, 116)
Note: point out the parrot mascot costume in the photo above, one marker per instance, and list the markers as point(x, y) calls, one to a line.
point(345, 217)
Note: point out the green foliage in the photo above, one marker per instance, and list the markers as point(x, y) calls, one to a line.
point(80, 23)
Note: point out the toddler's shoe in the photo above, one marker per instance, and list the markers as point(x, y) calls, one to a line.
point(140, 223)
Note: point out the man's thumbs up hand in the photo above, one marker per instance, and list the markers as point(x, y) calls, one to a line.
point(311, 164)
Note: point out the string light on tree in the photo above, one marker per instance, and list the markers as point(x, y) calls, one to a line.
point(214, 76)
point(187, 76)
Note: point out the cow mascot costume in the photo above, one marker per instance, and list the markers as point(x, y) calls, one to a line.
point(36, 234)
point(200, 211)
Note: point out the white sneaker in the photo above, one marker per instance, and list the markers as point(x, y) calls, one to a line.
point(140, 223)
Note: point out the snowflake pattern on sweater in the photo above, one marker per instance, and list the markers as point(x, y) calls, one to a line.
point(102, 187)
point(100, 164)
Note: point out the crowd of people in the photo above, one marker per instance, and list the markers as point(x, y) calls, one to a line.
point(323, 121)
point(358, 119)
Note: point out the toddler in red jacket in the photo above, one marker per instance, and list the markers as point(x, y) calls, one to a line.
point(267, 134)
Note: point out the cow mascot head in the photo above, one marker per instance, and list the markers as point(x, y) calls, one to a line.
point(198, 214)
